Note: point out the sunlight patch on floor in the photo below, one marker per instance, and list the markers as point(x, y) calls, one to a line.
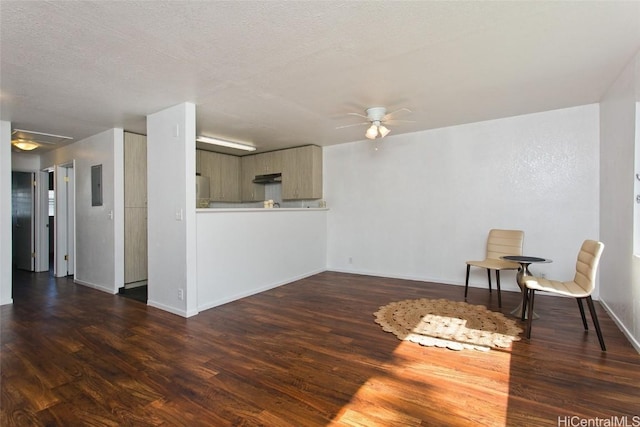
point(454, 383)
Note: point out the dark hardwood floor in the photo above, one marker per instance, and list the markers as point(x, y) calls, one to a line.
point(304, 354)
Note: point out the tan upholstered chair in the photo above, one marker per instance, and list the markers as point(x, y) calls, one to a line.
point(579, 288)
point(499, 243)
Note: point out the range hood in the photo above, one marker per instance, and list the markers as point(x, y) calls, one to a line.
point(271, 178)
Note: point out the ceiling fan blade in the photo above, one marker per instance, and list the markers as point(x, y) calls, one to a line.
point(393, 121)
point(389, 115)
point(351, 125)
point(359, 115)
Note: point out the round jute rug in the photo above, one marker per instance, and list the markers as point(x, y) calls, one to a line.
point(452, 324)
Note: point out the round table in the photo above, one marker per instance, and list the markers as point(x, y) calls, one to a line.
point(525, 262)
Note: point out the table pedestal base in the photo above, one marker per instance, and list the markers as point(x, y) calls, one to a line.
point(517, 312)
point(523, 271)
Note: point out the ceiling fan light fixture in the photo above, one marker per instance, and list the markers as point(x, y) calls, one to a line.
point(24, 145)
point(376, 118)
point(372, 132)
point(223, 143)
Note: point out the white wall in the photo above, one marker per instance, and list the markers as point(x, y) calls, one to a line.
point(620, 270)
point(99, 244)
point(171, 191)
point(244, 252)
point(24, 162)
point(6, 249)
point(422, 205)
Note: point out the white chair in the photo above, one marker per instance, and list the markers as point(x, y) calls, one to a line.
point(499, 243)
point(579, 288)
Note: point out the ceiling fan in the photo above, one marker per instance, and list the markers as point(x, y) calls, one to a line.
point(377, 118)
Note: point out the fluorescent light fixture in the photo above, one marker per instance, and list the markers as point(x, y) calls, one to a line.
point(24, 145)
point(42, 133)
point(223, 143)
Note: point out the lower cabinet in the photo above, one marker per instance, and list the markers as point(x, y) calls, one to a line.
point(135, 244)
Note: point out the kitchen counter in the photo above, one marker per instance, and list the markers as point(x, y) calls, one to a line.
point(226, 210)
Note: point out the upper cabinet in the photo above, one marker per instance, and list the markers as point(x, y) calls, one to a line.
point(228, 189)
point(268, 163)
point(250, 192)
point(258, 164)
point(135, 170)
point(223, 171)
point(301, 170)
point(302, 173)
point(231, 177)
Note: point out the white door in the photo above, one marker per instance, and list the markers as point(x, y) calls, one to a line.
point(64, 252)
point(61, 253)
point(71, 220)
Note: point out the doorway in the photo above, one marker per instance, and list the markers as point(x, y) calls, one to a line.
point(22, 220)
point(64, 221)
point(29, 220)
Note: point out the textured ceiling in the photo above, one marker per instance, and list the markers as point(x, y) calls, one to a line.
point(285, 73)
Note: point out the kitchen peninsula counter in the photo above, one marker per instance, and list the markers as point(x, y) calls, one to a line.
point(226, 210)
point(244, 251)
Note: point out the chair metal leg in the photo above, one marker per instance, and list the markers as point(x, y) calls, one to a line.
point(489, 277)
point(466, 283)
point(584, 319)
point(498, 286)
point(532, 294)
point(594, 317)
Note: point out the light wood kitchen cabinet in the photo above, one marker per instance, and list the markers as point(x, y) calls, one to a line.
point(135, 170)
point(229, 178)
point(301, 170)
point(223, 171)
point(249, 169)
point(302, 173)
point(135, 208)
point(268, 163)
point(258, 164)
point(198, 161)
point(135, 245)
